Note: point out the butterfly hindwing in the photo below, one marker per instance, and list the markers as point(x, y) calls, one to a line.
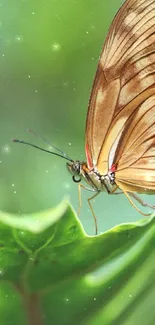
point(122, 99)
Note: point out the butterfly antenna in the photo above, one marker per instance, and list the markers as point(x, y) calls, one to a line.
point(48, 151)
point(49, 144)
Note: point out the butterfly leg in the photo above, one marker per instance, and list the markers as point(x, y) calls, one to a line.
point(116, 193)
point(92, 197)
point(127, 194)
point(92, 211)
point(143, 203)
point(80, 197)
point(134, 205)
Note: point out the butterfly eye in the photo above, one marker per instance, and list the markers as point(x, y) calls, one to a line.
point(76, 180)
point(76, 167)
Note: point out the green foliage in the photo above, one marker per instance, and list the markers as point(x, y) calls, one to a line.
point(53, 273)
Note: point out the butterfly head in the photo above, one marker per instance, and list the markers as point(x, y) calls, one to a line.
point(80, 170)
point(75, 168)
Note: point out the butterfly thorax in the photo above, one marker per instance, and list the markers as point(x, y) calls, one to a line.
point(92, 177)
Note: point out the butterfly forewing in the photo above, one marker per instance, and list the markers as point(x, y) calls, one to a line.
point(120, 126)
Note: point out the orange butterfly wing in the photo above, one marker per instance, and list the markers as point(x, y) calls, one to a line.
point(136, 164)
point(120, 127)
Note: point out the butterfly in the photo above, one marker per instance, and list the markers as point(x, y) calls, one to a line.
point(120, 124)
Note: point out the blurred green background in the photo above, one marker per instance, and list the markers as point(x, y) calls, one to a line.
point(48, 56)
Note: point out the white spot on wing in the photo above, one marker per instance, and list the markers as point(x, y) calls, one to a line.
point(128, 21)
point(113, 149)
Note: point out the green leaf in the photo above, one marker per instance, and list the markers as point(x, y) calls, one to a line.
point(53, 273)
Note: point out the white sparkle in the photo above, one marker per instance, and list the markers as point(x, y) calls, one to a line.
point(6, 149)
point(13, 185)
point(56, 47)
point(19, 38)
point(65, 84)
point(66, 185)
point(29, 76)
point(14, 192)
point(69, 143)
point(66, 300)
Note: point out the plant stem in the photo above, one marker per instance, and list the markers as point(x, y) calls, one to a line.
point(33, 310)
